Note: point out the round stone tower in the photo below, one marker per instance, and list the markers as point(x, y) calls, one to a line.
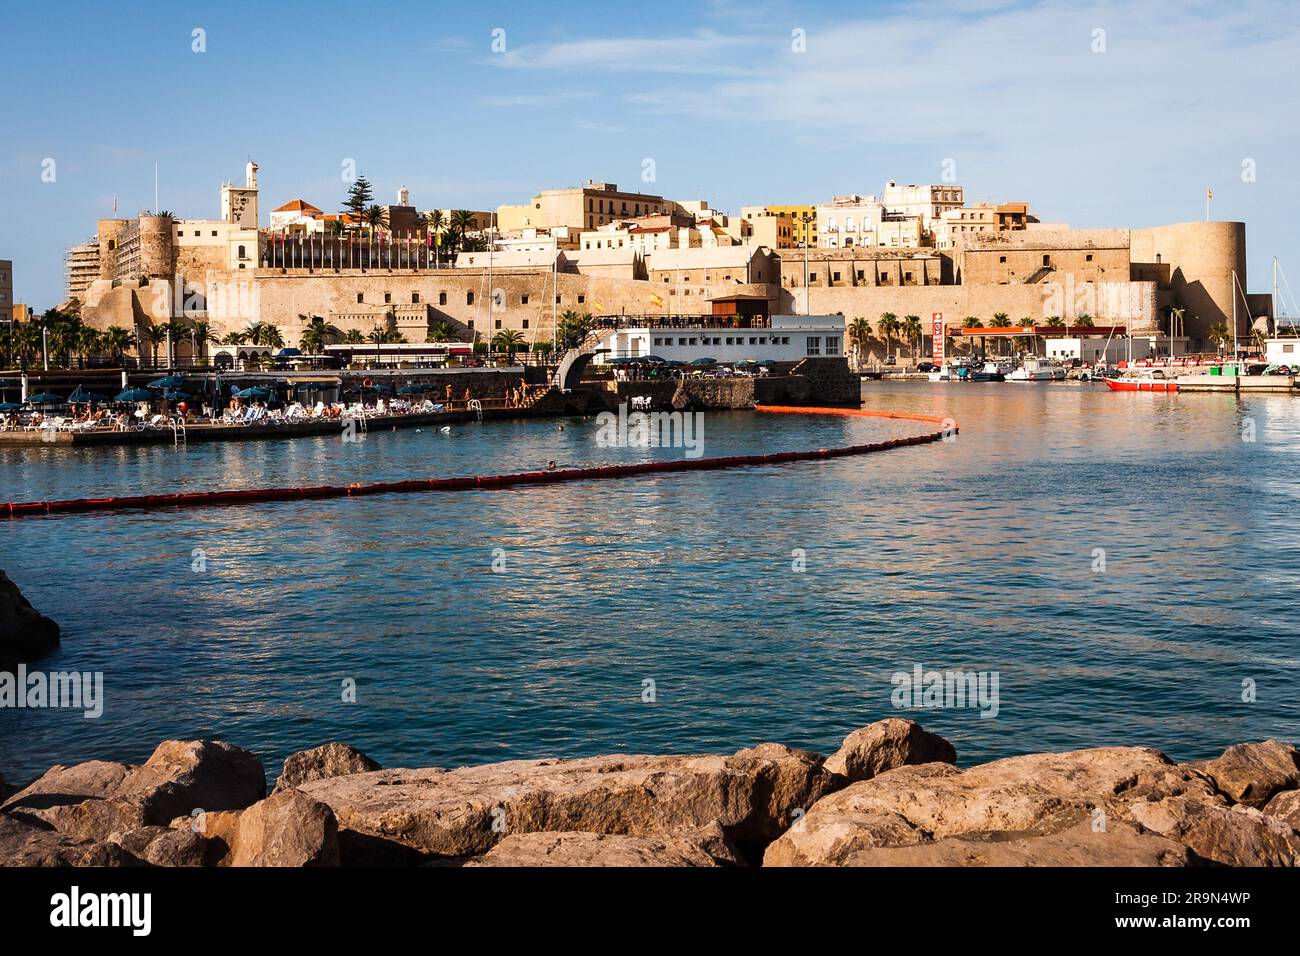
point(1202, 258)
point(108, 232)
point(156, 246)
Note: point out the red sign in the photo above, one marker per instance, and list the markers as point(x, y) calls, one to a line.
point(938, 342)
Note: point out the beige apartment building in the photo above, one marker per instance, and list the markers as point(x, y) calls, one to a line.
point(928, 202)
point(776, 230)
point(581, 207)
point(6, 291)
point(81, 268)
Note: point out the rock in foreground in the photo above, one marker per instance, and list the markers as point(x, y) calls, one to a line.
point(890, 796)
point(25, 633)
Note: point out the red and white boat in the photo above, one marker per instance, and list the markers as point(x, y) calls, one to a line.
point(1146, 380)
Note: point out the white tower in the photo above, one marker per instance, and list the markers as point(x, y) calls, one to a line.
point(239, 206)
point(403, 196)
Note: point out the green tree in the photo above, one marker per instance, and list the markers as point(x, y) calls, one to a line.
point(508, 341)
point(353, 337)
point(360, 196)
point(1220, 335)
point(317, 334)
point(913, 332)
point(201, 331)
point(117, 340)
point(888, 326)
point(859, 334)
point(1084, 321)
point(442, 332)
point(155, 335)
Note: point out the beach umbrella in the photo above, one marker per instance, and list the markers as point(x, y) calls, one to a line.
point(82, 396)
point(704, 361)
point(288, 353)
point(10, 406)
point(253, 391)
point(170, 381)
point(746, 363)
point(45, 398)
point(135, 395)
point(415, 389)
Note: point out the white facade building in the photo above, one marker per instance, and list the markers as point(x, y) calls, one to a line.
point(782, 338)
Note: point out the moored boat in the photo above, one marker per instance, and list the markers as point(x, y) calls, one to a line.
point(1146, 380)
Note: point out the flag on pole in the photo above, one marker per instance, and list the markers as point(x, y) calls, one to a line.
point(657, 300)
point(1209, 194)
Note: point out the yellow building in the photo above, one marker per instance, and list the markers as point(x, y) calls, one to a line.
point(804, 222)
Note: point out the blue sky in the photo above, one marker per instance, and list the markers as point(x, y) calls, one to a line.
point(1016, 95)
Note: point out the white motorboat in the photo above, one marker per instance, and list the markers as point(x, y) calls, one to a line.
point(1037, 370)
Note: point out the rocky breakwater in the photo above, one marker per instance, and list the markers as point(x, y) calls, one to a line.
point(25, 633)
point(891, 795)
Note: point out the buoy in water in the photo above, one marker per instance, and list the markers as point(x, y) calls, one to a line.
point(445, 429)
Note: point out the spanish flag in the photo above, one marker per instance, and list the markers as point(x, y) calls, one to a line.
point(1209, 194)
point(599, 307)
point(656, 300)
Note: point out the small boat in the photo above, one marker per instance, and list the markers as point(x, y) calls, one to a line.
point(1146, 380)
point(1037, 370)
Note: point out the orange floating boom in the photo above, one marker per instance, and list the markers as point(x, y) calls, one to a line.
point(258, 495)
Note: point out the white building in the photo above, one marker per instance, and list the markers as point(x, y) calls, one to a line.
point(1282, 351)
point(781, 338)
point(1091, 351)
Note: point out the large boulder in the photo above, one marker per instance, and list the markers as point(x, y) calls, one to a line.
point(61, 785)
point(707, 846)
point(321, 763)
point(1232, 836)
point(1253, 773)
point(390, 815)
point(184, 776)
point(919, 804)
point(162, 846)
point(1079, 844)
point(287, 829)
point(25, 633)
point(1286, 807)
point(886, 744)
point(22, 844)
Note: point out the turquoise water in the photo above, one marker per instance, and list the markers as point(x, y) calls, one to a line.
point(975, 555)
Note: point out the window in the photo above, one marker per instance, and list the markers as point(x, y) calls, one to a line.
point(415, 298)
point(581, 299)
point(442, 298)
point(835, 277)
point(1047, 260)
point(242, 253)
point(497, 325)
point(525, 323)
point(832, 345)
point(214, 233)
point(360, 297)
point(469, 324)
point(814, 345)
point(1288, 349)
point(388, 297)
point(469, 298)
point(557, 300)
point(1002, 258)
point(523, 299)
point(681, 341)
point(1088, 257)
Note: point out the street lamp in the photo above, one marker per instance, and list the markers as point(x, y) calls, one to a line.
point(806, 219)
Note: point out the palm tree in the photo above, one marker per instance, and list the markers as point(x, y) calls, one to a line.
point(317, 334)
point(1259, 338)
point(201, 333)
point(859, 333)
point(117, 340)
point(235, 338)
point(1220, 335)
point(27, 341)
point(155, 335)
point(913, 332)
point(463, 221)
point(508, 341)
point(266, 335)
point(441, 332)
point(1083, 321)
point(85, 342)
point(1176, 320)
point(436, 224)
point(972, 322)
point(353, 337)
point(888, 326)
point(573, 328)
point(376, 218)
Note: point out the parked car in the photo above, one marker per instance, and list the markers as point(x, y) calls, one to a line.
point(926, 367)
point(890, 360)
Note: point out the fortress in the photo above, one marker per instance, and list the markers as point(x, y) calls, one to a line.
point(229, 273)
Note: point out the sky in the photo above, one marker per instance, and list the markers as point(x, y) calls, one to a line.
point(1105, 115)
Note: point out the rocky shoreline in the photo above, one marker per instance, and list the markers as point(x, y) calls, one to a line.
point(890, 796)
point(25, 633)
